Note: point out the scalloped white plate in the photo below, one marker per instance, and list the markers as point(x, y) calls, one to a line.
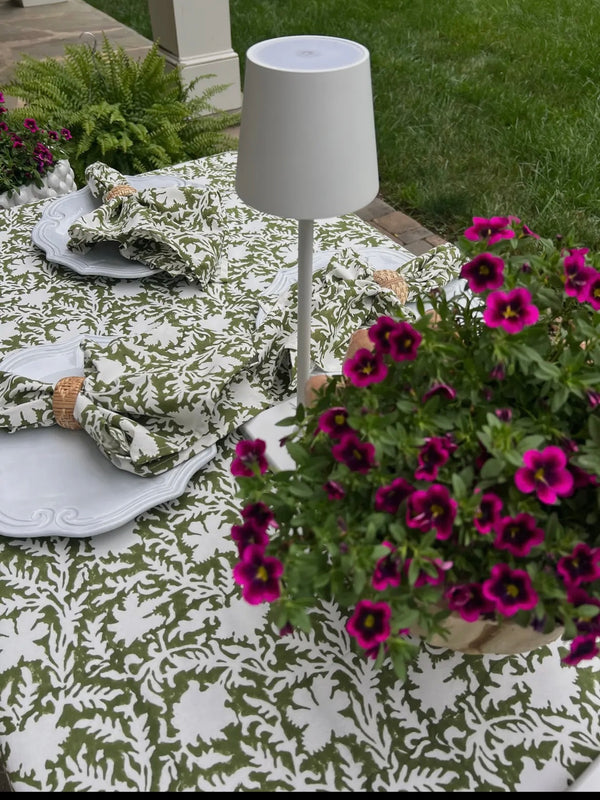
point(55, 482)
point(51, 233)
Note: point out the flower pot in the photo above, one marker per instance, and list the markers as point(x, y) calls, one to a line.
point(482, 636)
point(61, 180)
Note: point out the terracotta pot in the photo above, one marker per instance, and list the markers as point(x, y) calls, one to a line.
point(56, 183)
point(481, 637)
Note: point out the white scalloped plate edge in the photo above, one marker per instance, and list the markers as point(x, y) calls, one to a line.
point(25, 458)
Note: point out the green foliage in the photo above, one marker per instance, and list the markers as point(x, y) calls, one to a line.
point(133, 114)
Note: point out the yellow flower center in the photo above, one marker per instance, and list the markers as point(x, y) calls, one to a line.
point(508, 313)
point(262, 574)
point(369, 621)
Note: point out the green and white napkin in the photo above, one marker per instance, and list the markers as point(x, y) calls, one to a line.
point(178, 229)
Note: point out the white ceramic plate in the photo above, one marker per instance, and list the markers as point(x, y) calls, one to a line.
point(51, 233)
point(55, 482)
point(378, 258)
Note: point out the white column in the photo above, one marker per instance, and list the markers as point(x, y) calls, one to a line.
point(195, 35)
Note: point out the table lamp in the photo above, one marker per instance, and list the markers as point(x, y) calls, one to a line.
point(307, 145)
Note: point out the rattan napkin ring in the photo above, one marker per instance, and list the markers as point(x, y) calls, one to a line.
point(120, 190)
point(392, 280)
point(63, 401)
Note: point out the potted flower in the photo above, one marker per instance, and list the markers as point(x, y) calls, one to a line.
point(33, 164)
point(451, 472)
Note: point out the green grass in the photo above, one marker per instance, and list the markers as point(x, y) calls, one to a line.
point(482, 107)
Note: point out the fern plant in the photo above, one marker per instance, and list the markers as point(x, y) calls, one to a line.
point(133, 114)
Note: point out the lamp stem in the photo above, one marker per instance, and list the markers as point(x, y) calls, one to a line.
point(305, 267)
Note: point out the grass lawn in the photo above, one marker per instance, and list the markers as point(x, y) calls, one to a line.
point(482, 107)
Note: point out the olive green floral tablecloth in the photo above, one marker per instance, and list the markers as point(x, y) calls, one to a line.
point(129, 661)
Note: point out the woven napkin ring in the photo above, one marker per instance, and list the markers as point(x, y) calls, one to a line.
point(120, 190)
point(391, 280)
point(63, 401)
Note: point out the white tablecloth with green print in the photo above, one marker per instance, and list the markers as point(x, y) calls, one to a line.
point(129, 661)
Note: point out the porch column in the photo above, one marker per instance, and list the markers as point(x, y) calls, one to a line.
point(195, 35)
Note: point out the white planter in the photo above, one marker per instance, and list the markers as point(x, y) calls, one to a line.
point(56, 183)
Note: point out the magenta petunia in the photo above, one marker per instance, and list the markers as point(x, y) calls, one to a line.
point(370, 623)
point(582, 566)
point(498, 373)
point(468, 601)
point(335, 490)
point(577, 275)
point(443, 389)
point(488, 512)
point(485, 271)
point(387, 570)
point(250, 458)
point(258, 575)
point(379, 333)
point(432, 455)
point(356, 455)
point(365, 367)
point(518, 534)
point(545, 473)
point(490, 230)
point(582, 648)
point(249, 533)
point(510, 590)
point(334, 422)
point(591, 292)
point(260, 514)
point(432, 508)
point(511, 310)
point(404, 342)
point(389, 497)
point(30, 124)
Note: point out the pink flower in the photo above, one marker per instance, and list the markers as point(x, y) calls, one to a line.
point(258, 575)
point(510, 590)
point(485, 271)
point(370, 623)
point(364, 367)
point(511, 311)
point(491, 230)
point(545, 472)
point(250, 458)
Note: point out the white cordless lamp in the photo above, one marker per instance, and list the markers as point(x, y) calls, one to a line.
point(307, 147)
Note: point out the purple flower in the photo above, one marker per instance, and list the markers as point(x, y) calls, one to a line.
point(432, 456)
point(404, 342)
point(440, 388)
point(503, 414)
point(582, 648)
point(528, 232)
point(335, 490)
point(388, 498)
point(249, 533)
point(593, 398)
point(334, 422)
point(518, 534)
point(30, 124)
point(498, 373)
point(260, 514)
point(510, 590)
point(356, 455)
point(582, 566)
point(432, 508)
point(467, 599)
point(250, 458)
point(488, 512)
point(365, 367)
point(387, 570)
point(66, 134)
point(370, 623)
point(379, 333)
point(576, 275)
point(545, 472)
point(511, 311)
point(485, 271)
point(491, 230)
point(258, 575)
point(590, 623)
point(591, 292)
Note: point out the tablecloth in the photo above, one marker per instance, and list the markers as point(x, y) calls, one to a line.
point(129, 661)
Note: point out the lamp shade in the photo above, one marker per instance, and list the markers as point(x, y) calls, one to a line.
point(307, 145)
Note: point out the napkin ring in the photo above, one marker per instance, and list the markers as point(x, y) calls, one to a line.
point(63, 401)
point(392, 280)
point(120, 190)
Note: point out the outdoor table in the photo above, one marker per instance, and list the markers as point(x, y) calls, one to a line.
point(129, 661)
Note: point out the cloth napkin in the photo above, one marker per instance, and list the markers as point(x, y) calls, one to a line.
point(178, 229)
point(154, 400)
